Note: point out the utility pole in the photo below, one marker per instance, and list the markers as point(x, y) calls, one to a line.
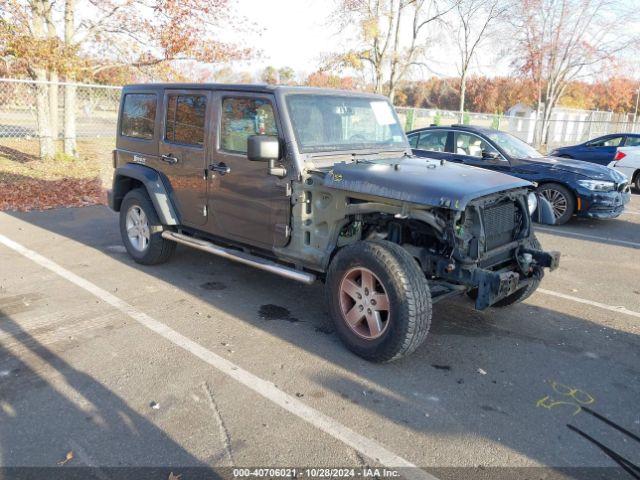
point(635, 114)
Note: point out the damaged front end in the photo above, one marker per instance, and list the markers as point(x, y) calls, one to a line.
point(488, 250)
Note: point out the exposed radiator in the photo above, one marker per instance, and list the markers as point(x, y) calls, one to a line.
point(499, 224)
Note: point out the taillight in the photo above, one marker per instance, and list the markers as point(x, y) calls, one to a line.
point(619, 156)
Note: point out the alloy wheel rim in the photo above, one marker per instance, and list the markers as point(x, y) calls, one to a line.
point(137, 226)
point(557, 200)
point(364, 303)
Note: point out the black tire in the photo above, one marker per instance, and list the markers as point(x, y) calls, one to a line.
point(158, 249)
point(527, 291)
point(398, 275)
point(550, 190)
point(636, 181)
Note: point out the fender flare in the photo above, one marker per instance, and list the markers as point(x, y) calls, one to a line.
point(154, 185)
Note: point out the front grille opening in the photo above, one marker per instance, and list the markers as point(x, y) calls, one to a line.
point(499, 224)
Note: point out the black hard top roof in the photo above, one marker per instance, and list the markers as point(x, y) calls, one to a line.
point(244, 87)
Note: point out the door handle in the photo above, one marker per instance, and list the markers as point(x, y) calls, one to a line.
point(169, 159)
point(221, 168)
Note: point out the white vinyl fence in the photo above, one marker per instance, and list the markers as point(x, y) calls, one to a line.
point(566, 127)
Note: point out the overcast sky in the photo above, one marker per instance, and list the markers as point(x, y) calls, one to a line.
point(296, 33)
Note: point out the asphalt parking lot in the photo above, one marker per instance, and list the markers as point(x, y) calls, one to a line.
point(206, 362)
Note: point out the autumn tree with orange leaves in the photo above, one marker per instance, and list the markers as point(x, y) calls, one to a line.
point(52, 39)
point(560, 41)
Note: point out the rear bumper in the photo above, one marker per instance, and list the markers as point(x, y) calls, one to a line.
point(602, 204)
point(494, 286)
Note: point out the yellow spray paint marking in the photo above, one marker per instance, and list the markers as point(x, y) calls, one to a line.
point(572, 396)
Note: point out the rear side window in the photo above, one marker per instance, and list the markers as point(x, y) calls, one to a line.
point(242, 117)
point(138, 115)
point(185, 119)
point(435, 141)
point(632, 142)
point(606, 142)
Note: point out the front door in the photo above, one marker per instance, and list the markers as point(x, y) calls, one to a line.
point(470, 149)
point(183, 151)
point(246, 204)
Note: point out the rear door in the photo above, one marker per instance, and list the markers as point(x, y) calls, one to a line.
point(183, 151)
point(430, 143)
point(246, 203)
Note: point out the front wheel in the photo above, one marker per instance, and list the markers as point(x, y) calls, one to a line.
point(379, 300)
point(138, 228)
point(561, 199)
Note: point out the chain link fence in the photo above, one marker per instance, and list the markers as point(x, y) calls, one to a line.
point(96, 109)
point(93, 108)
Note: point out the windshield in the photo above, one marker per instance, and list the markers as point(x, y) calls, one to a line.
point(514, 146)
point(333, 123)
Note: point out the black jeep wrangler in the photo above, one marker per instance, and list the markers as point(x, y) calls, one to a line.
point(321, 184)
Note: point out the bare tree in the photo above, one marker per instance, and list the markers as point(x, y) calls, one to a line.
point(474, 19)
point(392, 37)
point(558, 41)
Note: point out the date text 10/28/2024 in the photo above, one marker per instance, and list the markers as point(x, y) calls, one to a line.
point(364, 472)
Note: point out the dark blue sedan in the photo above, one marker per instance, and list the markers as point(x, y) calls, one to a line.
point(571, 186)
point(599, 150)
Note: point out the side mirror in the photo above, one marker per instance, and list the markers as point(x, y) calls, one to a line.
point(263, 148)
point(487, 155)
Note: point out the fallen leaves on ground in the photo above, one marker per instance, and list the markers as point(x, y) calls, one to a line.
point(28, 183)
point(33, 194)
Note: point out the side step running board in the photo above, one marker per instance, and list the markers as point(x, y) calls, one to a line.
point(241, 257)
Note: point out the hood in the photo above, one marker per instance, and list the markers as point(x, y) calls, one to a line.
point(578, 167)
point(420, 180)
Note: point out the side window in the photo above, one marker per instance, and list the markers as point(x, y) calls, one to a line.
point(185, 118)
point(138, 115)
point(242, 117)
point(471, 145)
point(606, 142)
point(435, 141)
point(413, 139)
point(632, 142)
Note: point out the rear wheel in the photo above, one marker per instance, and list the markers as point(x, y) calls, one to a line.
point(139, 224)
point(561, 199)
point(379, 300)
point(636, 181)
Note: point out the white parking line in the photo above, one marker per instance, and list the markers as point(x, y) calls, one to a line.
point(604, 306)
point(366, 446)
point(592, 237)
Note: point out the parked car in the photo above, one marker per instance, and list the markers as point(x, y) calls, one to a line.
point(627, 161)
point(572, 187)
point(598, 150)
point(320, 184)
